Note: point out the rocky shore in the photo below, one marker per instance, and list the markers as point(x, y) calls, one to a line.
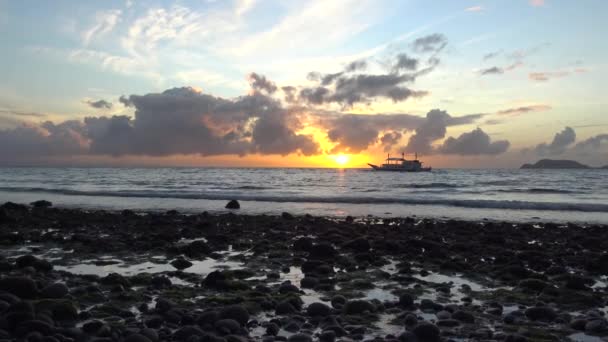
point(74, 275)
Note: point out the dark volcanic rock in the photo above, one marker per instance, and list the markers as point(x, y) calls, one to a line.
point(300, 338)
point(427, 332)
point(181, 263)
point(541, 313)
point(22, 287)
point(235, 312)
point(41, 204)
point(533, 284)
point(233, 204)
point(464, 316)
point(356, 307)
point(406, 300)
point(322, 250)
point(318, 309)
point(56, 290)
point(359, 245)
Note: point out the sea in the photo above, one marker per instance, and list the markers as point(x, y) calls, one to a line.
point(578, 196)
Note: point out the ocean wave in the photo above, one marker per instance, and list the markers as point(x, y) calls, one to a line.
point(538, 191)
point(465, 203)
point(426, 185)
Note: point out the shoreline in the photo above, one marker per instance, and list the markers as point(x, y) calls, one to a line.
point(123, 275)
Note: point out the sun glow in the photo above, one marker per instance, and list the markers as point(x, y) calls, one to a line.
point(341, 159)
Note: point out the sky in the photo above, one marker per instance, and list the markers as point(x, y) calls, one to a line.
point(317, 83)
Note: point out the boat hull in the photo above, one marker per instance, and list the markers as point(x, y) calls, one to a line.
point(379, 168)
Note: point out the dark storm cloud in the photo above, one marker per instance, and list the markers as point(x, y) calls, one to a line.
point(433, 128)
point(99, 104)
point(560, 143)
point(591, 145)
point(176, 121)
point(390, 139)
point(45, 140)
point(431, 43)
point(405, 62)
point(348, 88)
point(356, 132)
point(476, 142)
point(261, 83)
point(491, 71)
point(356, 66)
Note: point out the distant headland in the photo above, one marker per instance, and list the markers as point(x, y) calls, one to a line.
point(558, 164)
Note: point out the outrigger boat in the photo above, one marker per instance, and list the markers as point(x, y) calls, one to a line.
point(401, 165)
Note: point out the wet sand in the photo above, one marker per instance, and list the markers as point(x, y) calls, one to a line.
point(73, 275)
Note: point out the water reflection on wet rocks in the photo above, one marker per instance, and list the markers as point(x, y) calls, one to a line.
point(69, 275)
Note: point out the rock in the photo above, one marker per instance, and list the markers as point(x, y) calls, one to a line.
point(359, 245)
point(288, 287)
point(160, 281)
point(536, 285)
point(196, 249)
point(92, 327)
point(285, 308)
point(427, 332)
point(463, 317)
point(216, 280)
point(31, 261)
point(318, 309)
point(227, 326)
point(407, 336)
point(300, 338)
point(208, 318)
point(327, 336)
point(181, 263)
point(63, 310)
point(34, 325)
point(309, 282)
point(443, 314)
point(303, 244)
point(410, 320)
point(22, 287)
point(235, 312)
point(136, 338)
point(578, 324)
point(338, 301)
point(515, 338)
point(448, 322)
point(287, 216)
point(322, 250)
point(233, 204)
point(150, 334)
point(164, 305)
point(56, 290)
point(427, 304)
point(406, 300)
point(272, 329)
point(596, 326)
point(575, 282)
point(115, 279)
point(41, 204)
point(356, 307)
point(541, 313)
point(187, 332)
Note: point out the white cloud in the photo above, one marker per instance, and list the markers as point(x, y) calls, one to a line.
point(105, 21)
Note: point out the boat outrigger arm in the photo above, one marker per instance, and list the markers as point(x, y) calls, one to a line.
point(401, 165)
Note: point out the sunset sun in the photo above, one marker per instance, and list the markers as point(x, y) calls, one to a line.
point(341, 159)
